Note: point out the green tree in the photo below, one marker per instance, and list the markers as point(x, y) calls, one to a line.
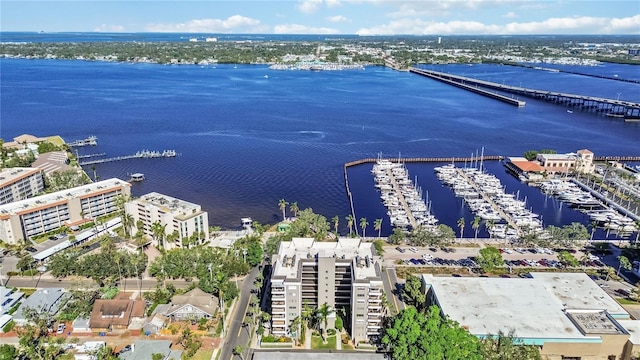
point(336, 221)
point(460, 224)
point(323, 313)
point(624, 263)
point(567, 259)
point(8, 352)
point(414, 335)
point(349, 219)
point(530, 155)
point(396, 237)
point(157, 356)
point(158, 233)
point(476, 225)
point(489, 258)
point(282, 204)
point(294, 208)
point(363, 226)
point(377, 226)
point(445, 233)
point(238, 350)
point(507, 347)
point(34, 341)
point(254, 253)
point(412, 292)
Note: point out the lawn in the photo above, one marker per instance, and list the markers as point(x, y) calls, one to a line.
point(316, 342)
point(203, 354)
point(625, 301)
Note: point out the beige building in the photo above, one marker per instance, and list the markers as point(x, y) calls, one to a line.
point(582, 161)
point(20, 183)
point(566, 314)
point(28, 218)
point(175, 215)
point(342, 274)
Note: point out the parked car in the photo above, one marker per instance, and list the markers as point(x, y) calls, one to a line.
point(400, 249)
point(60, 328)
point(412, 249)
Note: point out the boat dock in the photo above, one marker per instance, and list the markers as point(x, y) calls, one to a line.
point(610, 203)
point(90, 141)
point(428, 160)
point(144, 154)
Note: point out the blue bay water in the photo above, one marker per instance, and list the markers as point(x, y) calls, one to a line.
point(245, 141)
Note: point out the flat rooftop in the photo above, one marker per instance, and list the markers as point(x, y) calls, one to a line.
point(290, 252)
point(10, 175)
point(527, 306)
point(314, 355)
point(76, 192)
point(578, 292)
point(595, 322)
point(170, 204)
point(633, 328)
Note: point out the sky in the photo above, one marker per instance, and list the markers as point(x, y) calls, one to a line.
point(358, 17)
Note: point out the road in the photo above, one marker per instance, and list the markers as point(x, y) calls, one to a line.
point(392, 289)
point(237, 335)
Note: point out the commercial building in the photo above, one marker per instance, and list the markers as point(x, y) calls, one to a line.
point(20, 183)
point(186, 219)
point(28, 218)
point(341, 274)
point(582, 161)
point(566, 314)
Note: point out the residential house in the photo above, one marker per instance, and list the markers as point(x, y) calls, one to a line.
point(144, 349)
point(8, 299)
point(49, 301)
point(193, 305)
point(115, 314)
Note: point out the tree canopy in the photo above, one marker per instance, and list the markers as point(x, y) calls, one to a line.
point(489, 258)
point(413, 335)
point(412, 292)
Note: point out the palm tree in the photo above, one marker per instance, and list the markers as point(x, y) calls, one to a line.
point(283, 207)
point(488, 225)
point(158, 231)
point(349, 219)
point(476, 225)
point(461, 226)
point(593, 225)
point(308, 315)
point(238, 350)
point(323, 313)
point(294, 208)
point(363, 226)
point(295, 327)
point(173, 237)
point(377, 225)
point(336, 221)
point(127, 222)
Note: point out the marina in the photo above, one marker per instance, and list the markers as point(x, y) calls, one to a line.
point(144, 154)
point(90, 141)
point(484, 194)
point(401, 197)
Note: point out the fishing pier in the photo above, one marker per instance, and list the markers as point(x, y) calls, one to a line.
point(144, 154)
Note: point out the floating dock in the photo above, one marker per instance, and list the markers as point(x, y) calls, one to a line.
point(90, 141)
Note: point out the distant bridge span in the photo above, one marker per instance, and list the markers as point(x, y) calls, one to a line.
point(630, 111)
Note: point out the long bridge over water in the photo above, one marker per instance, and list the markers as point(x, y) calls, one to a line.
point(630, 111)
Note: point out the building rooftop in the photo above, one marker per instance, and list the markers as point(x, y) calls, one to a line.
point(10, 175)
point(526, 165)
point(28, 205)
point(290, 253)
point(197, 298)
point(170, 204)
point(569, 156)
point(595, 322)
point(45, 300)
point(633, 328)
point(527, 306)
point(315, 355)
point(144, 349)
point(52, 161)
point(578, 292)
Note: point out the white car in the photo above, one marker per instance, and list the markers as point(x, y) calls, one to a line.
point(412, 249)
point(427, 257)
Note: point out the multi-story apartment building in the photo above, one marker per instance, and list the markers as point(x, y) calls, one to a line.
point(175, 215)
point(341, 274)
point(28, 218)
point(20, 183)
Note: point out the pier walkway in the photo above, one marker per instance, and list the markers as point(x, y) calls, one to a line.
point(403, 201)
point(612, 204)
point(488, 199)
point(628, 110)
point(427, 160)
point(145, 154)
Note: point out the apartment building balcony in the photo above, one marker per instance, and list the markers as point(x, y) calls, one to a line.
point(279, 322)
point(278, 316)
point(277, 289)
point(277, 296)
point(278, 310)
point(308, 281)
point(376, 292)
point(276, 303)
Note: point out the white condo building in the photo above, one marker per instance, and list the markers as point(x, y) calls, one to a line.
point(176, 215)
point(28, 218)
point(20, 183)
point(342, 274)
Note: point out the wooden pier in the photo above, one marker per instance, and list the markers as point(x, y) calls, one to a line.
point(145, 154)
point(427, 160)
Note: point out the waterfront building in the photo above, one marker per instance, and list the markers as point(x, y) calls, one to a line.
point(29, 218)
point(186, 219)
point(20, 142)
point(20, 183)
point(341, 274)
point(566, 314)
point(582, 161)
point(54, 161)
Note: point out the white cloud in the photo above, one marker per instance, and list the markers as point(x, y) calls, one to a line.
point(109, 28)
point(510, 15)
point(309, 6)
point(235, 23)
point(337, 19)
point(302, 29)
point(567, 25)
point(333, 3)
